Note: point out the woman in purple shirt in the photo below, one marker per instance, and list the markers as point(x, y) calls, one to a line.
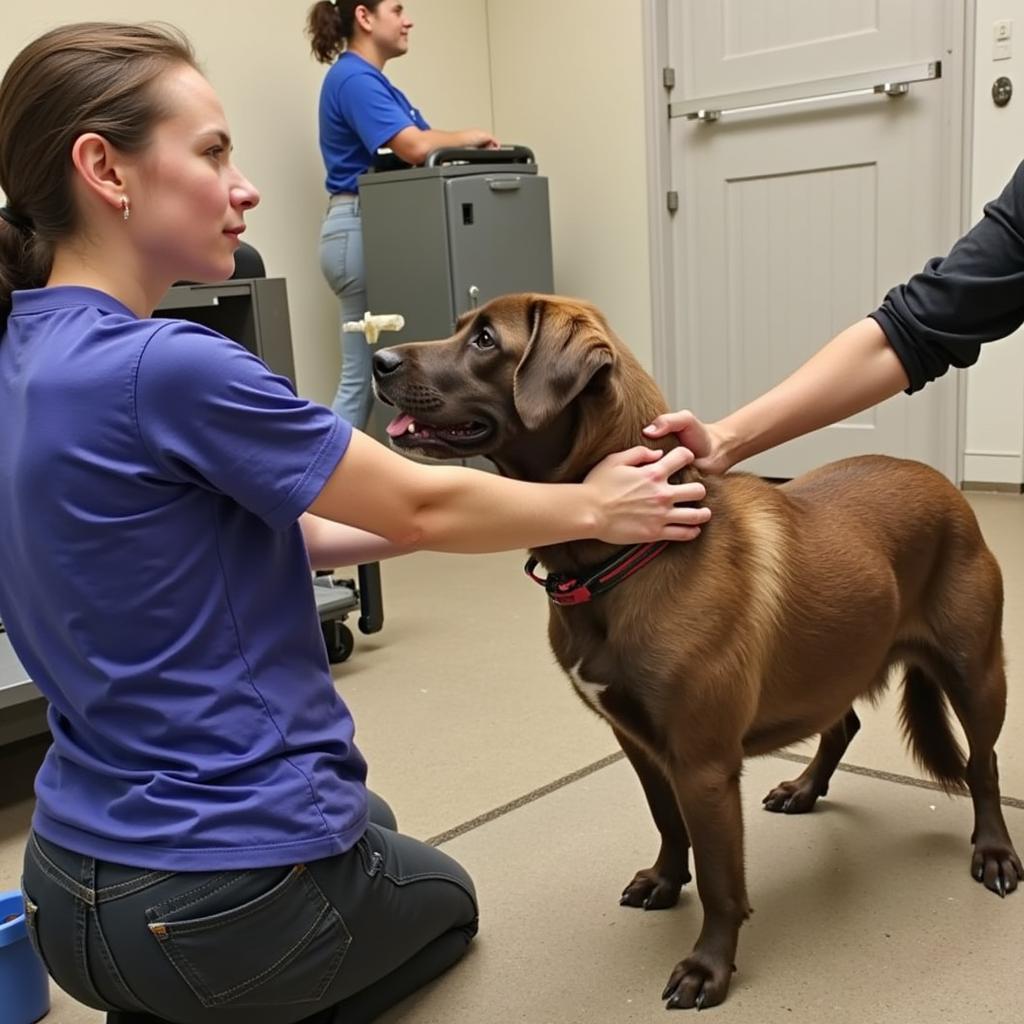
point(203, 849)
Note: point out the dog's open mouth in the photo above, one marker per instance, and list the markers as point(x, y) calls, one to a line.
point(404, 430)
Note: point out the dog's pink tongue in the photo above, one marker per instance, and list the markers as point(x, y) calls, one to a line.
point(399, 425)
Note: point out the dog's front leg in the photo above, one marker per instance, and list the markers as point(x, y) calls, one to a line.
point(709, 797)
point(657, 887)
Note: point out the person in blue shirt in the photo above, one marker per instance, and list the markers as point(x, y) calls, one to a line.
point(361, 112)
point(204, 849)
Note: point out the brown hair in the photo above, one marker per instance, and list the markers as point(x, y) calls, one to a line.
point(331, 25)
point(88, 77)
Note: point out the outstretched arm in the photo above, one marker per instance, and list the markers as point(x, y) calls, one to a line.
point(625, 499)
point(855, 370)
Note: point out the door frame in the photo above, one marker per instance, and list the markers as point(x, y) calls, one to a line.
point(671, 340)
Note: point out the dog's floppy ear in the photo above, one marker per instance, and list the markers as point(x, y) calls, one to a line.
point(568, 345)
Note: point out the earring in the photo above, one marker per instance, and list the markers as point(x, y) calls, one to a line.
point(126, 207)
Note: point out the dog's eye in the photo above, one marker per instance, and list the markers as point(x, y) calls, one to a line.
point(484, 339)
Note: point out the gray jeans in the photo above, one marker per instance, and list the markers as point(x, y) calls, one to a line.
point(335, 941)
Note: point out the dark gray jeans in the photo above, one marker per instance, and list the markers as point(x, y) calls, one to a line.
point(335, 941)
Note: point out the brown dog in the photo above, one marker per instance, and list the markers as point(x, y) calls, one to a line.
point(794, 602)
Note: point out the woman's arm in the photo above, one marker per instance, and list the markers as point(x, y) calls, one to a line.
point(414, 144)
point(332, 544)
point(855, 370)
point(625, 499)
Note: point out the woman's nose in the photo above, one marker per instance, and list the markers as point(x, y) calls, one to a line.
point(244, 194)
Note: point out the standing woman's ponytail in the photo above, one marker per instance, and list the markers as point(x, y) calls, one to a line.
point(330, 26)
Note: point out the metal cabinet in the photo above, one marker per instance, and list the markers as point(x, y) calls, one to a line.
point(440, 239)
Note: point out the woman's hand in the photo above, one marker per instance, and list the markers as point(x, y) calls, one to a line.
point(637, 504)
point(482, 140)
point(705, 440)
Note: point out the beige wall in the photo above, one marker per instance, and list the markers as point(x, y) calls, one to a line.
point(568, 81)
point(446, 72)
point(557, 88)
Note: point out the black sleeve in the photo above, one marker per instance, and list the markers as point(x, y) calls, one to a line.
point(942, 315)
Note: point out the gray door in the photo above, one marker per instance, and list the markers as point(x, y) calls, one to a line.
point(832, 173)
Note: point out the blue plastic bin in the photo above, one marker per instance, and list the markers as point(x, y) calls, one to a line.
point(24, 986)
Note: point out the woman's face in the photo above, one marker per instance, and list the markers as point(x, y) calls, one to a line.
point(390, 28)
point(188, 199)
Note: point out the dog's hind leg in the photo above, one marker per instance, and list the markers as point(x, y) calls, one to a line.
point(981, 710)
point(799, 795)
point(658, 886)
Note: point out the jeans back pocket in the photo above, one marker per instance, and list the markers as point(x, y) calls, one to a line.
point(282, 946)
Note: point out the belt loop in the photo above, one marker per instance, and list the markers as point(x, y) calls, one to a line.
point(344, 197)
point(87, 879)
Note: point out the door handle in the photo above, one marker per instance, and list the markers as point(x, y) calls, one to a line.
point(893, 82)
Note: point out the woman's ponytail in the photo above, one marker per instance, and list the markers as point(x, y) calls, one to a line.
point(330, 26)
point(21, 263)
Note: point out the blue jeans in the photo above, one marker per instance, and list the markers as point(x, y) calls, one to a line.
point(341, 260)
point(335, 941)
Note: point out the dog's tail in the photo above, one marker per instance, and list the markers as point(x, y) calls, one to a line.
point(924, 715)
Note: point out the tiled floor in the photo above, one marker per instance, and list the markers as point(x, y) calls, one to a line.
point(865, 911)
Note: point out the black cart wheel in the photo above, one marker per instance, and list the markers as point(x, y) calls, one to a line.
point(339, 640)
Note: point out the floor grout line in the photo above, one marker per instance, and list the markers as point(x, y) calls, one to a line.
point(901, 780)
point(522, 801)
point(605, 762)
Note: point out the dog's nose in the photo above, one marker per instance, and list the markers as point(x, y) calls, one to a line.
point(385, 361)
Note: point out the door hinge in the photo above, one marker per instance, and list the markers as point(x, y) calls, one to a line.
point(672, 201)
point(668, 77)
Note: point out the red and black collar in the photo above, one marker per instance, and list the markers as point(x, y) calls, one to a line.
point(564, 589)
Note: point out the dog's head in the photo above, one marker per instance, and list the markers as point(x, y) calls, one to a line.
point(520, 381)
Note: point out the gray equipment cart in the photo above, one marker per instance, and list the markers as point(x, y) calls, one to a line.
point(438, 240)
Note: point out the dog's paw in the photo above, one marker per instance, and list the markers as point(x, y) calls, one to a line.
point(697, 982)
point(796, 797)
point(652, 891)
point(997, 866)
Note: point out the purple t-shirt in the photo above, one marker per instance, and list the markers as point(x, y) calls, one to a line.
point(156, 587)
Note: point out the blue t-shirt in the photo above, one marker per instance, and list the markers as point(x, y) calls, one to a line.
point(156, 587)
point(360, 110)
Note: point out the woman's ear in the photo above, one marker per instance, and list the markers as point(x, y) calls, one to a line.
point(99, 167)
point(363, 17)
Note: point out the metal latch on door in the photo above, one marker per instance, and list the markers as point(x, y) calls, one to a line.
point(892, 82)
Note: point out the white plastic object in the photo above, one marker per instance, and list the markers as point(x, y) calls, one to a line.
point(373, 324)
